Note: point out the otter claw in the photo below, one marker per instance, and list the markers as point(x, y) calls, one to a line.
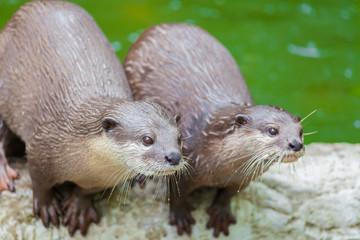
point(220, 219)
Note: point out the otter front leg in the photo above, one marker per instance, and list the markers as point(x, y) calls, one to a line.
point(220, 211)
point(180, 209)
point(7, 174)
point(80, 211)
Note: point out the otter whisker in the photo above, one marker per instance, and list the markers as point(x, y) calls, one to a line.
point(256, 169)
point(307, 161)
point(238, 159)
point(182, 173)
point(308, 115)
point(252, 174)
point(248, 166)
point(271, 160)
point(251, 161)
point(310, 133)
point(159, 181)
point(123, 189)
point(120, 182)
point(117, 182)
point(127, 187)
point(177, 183)
point(234, 174)
point(253, 168)
point(168, 190)
point(190, 136)
point(187, 170)
point(279, 158)
point(188, 159)
point(251, 164)
point(107, 183)
point(126, 184)
point(293, 169)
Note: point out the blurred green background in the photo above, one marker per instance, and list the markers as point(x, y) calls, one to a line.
point(300, 55)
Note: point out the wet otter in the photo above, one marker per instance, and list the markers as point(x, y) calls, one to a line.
point(229, 139)
point(64, 93)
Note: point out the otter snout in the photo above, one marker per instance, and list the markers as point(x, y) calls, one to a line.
point(173, 158)
point(295, 146)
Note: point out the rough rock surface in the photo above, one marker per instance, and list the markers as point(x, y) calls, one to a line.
point(318, 199)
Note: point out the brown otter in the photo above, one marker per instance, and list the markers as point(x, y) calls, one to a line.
point(229, 139)
point(65, 94)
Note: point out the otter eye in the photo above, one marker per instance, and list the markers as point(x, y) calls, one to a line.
point(273, 131)
point(179, 140)
point(301, 133)
point(147, 140)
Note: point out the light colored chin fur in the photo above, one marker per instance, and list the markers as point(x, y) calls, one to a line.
point(290, 156)
point(109, 163)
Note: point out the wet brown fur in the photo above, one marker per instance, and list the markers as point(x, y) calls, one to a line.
point(189, 72)
point(59, 79)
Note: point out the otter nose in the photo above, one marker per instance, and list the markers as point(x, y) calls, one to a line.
point(173, 158)
point(295, 146)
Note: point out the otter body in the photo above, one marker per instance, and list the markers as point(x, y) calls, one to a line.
point(229, 140)
point(64, 93)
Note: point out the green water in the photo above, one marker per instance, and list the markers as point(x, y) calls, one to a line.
point(300, 55)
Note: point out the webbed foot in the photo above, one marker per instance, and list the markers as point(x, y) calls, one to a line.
point(141, 179)
point(47, 207)
point(182, 218)
point(220, 219)
point(79, 213)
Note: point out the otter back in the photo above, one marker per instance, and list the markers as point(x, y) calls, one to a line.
point(43, 84)
point(207, 78)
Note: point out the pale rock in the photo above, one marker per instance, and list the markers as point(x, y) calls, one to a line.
point(318, 197)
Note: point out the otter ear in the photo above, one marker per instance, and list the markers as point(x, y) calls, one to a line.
point(298, 118)
point(241, 119)
point(109, 123)
point(177, 118)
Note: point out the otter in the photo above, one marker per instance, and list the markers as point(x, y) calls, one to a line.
point(65, 94)
point(228, 139)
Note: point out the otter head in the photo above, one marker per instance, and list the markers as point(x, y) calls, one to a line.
point(271, 132)
point(144, 137)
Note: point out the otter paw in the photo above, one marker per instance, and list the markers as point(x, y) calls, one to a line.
point(141, 179)
point(182, 218)
point(79, 213)
point(48, 208)
point(220, 219)
point(7, 177)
